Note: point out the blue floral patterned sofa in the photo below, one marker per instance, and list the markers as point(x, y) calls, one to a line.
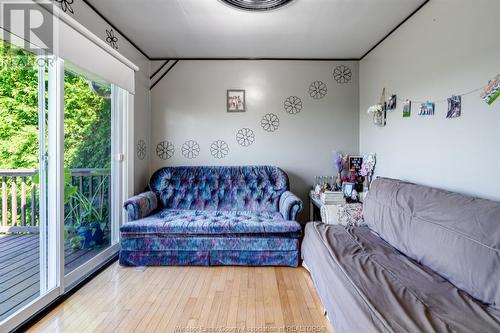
point(213, 216)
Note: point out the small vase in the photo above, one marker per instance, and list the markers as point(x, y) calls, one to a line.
point(338, 182)
point(377, 119)
point(367, 183)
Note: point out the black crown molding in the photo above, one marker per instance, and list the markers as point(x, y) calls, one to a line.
point(258, 59)
point(394, 30)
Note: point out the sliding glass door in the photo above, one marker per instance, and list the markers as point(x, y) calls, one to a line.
point(90, 122)
point(28, 268)
point(61, 144)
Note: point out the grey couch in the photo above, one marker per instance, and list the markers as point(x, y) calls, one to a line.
point(428, 261)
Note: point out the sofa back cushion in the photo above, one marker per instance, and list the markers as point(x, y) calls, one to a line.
point(456, 236)
point(249, 188)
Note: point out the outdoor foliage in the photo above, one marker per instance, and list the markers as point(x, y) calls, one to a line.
point(87, 116)
point(87, 123)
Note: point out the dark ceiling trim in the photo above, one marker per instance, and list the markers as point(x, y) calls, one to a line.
point(260, 59)
point(393, 30)
point(159, 69)
point(116, 29)
point(164, 74)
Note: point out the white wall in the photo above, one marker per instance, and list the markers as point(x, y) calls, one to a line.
point(87, 17)
point(449, 47)
point(190, 104)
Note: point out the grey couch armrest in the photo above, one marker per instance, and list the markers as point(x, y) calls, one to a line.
point(141, 205)
point(290, 205)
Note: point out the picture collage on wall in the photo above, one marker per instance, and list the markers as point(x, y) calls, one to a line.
point(454, 107)
point(489, 94)
point(426, 109)
point(246, 137)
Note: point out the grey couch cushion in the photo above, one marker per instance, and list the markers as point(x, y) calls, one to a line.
point(368, 286)
point(455, 235)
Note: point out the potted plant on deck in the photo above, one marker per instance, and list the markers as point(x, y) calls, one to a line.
point(87, 219)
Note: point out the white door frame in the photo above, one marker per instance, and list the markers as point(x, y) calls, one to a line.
point(51, 206)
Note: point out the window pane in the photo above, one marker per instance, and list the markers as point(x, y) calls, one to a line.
point(22, 80)
point(87, 162)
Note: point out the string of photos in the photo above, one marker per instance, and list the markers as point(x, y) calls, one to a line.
point(489, 95)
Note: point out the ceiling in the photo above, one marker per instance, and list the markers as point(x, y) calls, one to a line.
point(304, 29)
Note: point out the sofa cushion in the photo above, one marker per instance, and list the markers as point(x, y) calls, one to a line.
point(204, 222)
point(250, 188)
point(368, 286)
point(455, 235)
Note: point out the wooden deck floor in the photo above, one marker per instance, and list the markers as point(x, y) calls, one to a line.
point(20, 269)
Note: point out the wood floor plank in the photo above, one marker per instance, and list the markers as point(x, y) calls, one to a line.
point(164, 299)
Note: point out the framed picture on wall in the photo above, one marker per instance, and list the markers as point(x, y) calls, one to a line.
point(236, 100)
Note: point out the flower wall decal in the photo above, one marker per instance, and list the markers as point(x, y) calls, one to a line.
point(270, 122)
point(293, 105)
point(111, 39)
point(317, 90)
point(165, 150)
point(66, 5)
point(190, 149)
point(342, 74)
point(219, 149)
point(141, 149)
point(245, 137)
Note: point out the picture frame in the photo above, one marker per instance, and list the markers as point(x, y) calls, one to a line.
point(348, 188)
point(236, 100)
point(355, 162)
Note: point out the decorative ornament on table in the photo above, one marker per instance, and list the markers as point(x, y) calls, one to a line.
point(407, 109)
point(379, 111)
point(340, 160)
point(426, 109)
point(492, 91)
point(454, 107)
point(367, 169)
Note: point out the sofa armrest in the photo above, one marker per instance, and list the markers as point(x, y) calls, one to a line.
point(141, 205)
point(290, 206)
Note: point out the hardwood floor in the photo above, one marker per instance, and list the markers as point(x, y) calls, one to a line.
point(191, 299)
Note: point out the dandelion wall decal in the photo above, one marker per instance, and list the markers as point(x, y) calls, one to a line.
point(245, 137)
point(165, 150)
point(293, 105)
point(141, 149)
point(111, 39)
point(219, 149)
point(190, 149)
point(270, 122)
point(66, 5)
point(342, 74)
point(317, 90)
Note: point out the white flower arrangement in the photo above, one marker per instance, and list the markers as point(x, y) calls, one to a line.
point(375, 109)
